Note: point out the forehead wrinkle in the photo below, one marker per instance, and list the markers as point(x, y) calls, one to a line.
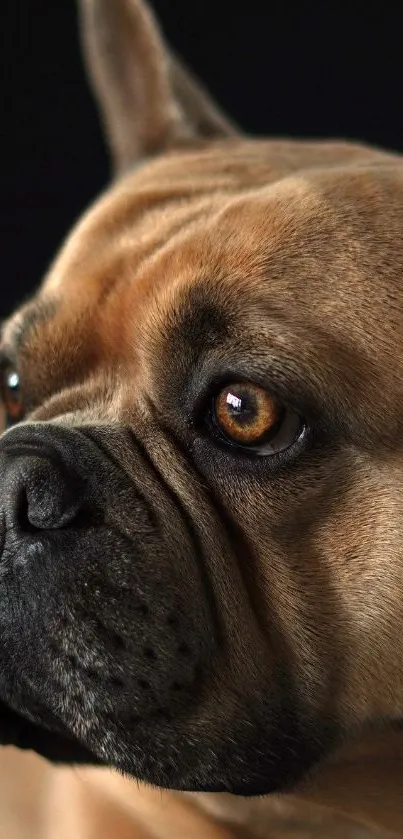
point(212, 257)
point(108, 254)
point(132, 251)
point(130, 211)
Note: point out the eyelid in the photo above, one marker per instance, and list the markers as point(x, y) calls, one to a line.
point(6, 359)
point(211, 373)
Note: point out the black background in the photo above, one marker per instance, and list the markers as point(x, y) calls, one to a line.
point(302, 69)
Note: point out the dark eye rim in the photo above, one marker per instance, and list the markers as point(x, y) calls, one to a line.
point(211, 452)
point(255, 449)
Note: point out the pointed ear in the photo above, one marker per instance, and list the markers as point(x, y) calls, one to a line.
point(149, 102)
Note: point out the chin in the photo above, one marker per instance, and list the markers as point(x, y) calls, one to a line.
point(171, 762)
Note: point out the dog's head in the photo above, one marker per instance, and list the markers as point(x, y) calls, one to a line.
point(201, 505)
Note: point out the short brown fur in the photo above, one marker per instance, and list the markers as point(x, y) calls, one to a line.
point(297, 247)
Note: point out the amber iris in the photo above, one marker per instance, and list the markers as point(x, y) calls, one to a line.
point(11, 394)
point(247, 414)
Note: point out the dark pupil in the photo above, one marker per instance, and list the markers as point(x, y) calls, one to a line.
point(242, 406)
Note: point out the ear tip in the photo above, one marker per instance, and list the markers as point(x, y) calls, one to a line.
point(117, 19)
point(115, 6)
point(148, 99)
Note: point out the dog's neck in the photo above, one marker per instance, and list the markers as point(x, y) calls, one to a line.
point(363, 782)
point(358, 794)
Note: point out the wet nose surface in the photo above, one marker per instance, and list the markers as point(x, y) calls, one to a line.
point(42, 489)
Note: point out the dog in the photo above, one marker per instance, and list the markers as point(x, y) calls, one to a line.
point(202, 517)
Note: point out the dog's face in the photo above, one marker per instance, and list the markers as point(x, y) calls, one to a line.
point(202, 511)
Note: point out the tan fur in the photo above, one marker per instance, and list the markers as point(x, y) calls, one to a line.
point(309, 233)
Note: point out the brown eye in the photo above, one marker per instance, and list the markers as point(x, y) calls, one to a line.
point(248, 415)
point(11, 395)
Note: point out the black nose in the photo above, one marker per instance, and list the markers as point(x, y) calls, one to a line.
point(42, 489)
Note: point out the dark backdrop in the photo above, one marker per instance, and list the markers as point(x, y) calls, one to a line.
point(302, 68)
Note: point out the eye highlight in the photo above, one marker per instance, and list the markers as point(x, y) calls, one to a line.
point(246, 415)
point(11, 394)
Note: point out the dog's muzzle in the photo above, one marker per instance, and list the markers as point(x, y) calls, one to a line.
point(105, 625)
point(111, 644)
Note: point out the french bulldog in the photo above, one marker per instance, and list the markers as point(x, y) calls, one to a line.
point(201, 506)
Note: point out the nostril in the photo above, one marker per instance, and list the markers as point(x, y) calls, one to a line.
point(52, 495)
point(21, 511)
point(45, 484)
point(42, 493)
